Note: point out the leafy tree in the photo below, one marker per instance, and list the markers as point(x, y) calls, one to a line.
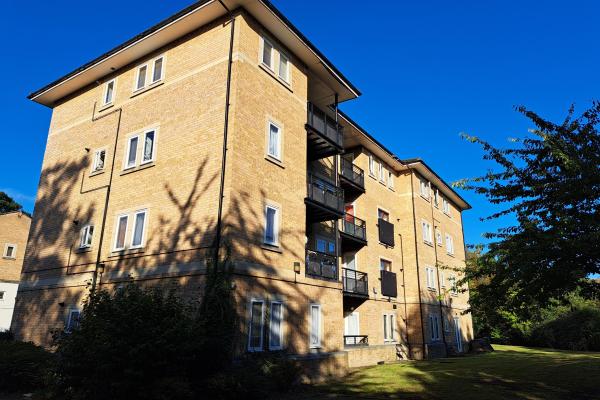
point(7, 204)
point(550, 182)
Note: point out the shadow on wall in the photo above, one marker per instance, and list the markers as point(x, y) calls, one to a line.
point(179, 245)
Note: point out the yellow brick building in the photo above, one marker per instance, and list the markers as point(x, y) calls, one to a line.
point(219, 127)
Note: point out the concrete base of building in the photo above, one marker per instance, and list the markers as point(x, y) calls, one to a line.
point(319, 367)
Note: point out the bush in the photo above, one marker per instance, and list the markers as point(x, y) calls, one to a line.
point(575, 330)
point(23, 366)
point(6, 336)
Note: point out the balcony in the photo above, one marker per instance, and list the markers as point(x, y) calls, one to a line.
point(353, 232)
point(352, 179)
point(356, 340)
point(325, 136)
point(321, 265)
point(324, 200)
point(356, 283)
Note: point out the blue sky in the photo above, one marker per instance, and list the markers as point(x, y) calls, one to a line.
point(428, 70)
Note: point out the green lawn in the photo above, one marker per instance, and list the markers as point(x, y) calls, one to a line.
point(510, 372)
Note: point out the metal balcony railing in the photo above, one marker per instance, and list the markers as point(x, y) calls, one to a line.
point(321, 265)
point(355, 282)
point(356, 340)
point(351, 172)
point(325, 193)
point(353, 226)
point(325, 125)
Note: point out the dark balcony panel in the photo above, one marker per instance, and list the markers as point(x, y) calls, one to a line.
point(389, 285)
point(356, 340)
point(386, 232)
point(352, 178)
point(321, 265)
point(355, 282)
point(327, 200)
point(325, 136)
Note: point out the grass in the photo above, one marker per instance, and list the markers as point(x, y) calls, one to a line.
point(510, 372)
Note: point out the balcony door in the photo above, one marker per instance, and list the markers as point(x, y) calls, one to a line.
point(350, 260)
point(458, 334)
point(351, 324)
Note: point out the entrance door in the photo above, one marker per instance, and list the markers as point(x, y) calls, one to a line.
point(458, 334)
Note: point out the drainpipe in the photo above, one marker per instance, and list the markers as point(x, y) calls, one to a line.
point(217, 244)
point(412, 192)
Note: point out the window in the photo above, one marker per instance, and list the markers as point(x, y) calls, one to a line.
point(132, 145)
point(385, 265)
point(284, 68)
point(325, 245)
point(390, 179)
point(73, 320)
point(384, 215)
point(438, 237)
point(2, 296)
point(274, 141)
point(389, 326)
point(371, 165)
point(453, 286)
point(425, 189)
point(446, 207)
point(382, 172)
point(255, 327)
point(99, 159)
point(147, 149)
point(157, 71)
point(449, 245)
point(138, 232)
point(87, 233)
point(436, 198)
point(434, 327)
point(145, 78)
point(267, 54)
point(10, 251)
point(430, 278)
point(276, 326)
point(442, 279)
point(109, 92)
point(427, 238)
point(121, 232)
point(141, 77)
point(315, 326)
point(271, 225)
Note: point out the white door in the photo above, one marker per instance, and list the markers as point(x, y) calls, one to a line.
point(458, 334)
point(350, 261)
point(351, 324)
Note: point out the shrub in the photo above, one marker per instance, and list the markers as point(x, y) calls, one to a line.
point(575, 330)
point(6, 336)
point(23, 366)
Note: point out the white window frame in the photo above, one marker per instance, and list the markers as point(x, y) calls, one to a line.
point(84, 235)
point(262, 325)
point(262, 52)
point(430, 278)
point(69, 325)
point(372, 171)
point(442, 279)
point(424, 189)
point(427, 239)
point(276, 221)
point(436, 198)
point(446, 206)
point(278, 157)
point(390, 320)
point(162, 70)
point(439, 239)
point(453, 285)
point(143, 145)
point(390, 179)
point(116, 236)
point(319, 324)
point(286, 78)
point(14, 252)
point(144, 228)
point(137, 88)
point(281, 304)
point(128, 150)
point(434, 327)
point(449, 244)
point(105, 92)
point(96, 158)
point(382, 173)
